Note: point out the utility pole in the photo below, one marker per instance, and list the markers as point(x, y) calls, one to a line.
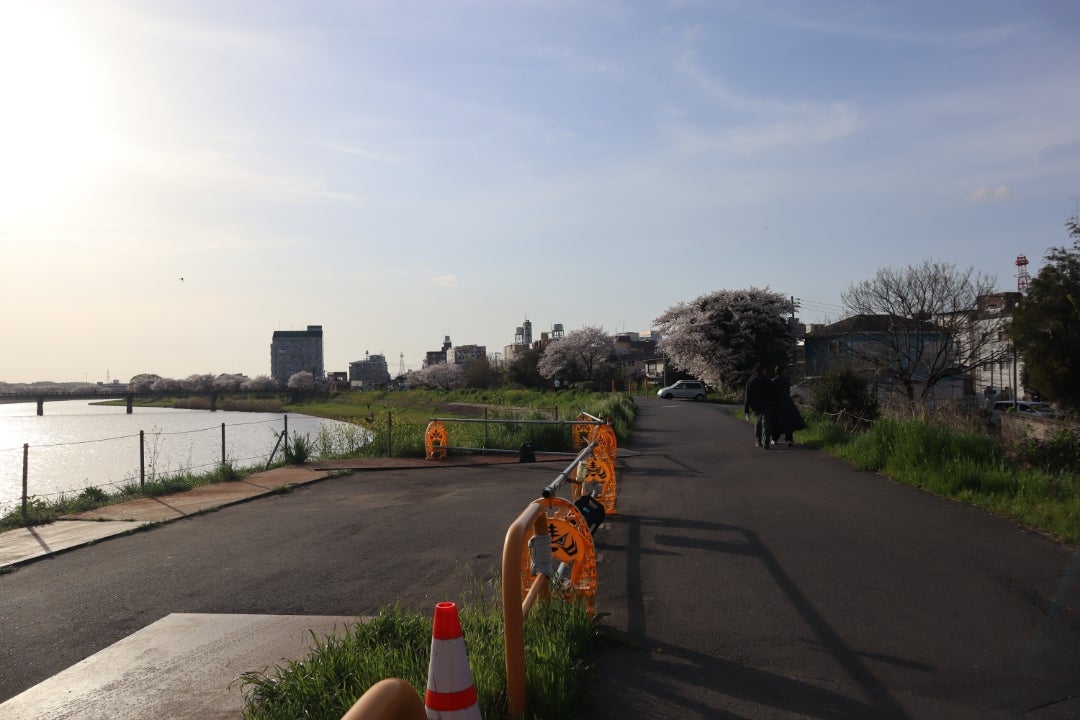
point(795, 338)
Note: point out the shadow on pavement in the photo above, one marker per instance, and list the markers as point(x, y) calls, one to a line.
point(671, 676)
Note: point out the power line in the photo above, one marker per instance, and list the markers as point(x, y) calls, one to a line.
point(820, 307)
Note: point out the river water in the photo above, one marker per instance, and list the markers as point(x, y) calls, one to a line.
point(76, 444)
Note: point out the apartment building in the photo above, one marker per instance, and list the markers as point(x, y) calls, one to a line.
point(293, 351)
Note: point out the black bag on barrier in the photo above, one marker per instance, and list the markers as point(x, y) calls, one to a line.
point(525, 453)
point(591, 510)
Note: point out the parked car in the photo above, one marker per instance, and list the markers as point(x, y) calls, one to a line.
point(1025, 406)
point(694, 389)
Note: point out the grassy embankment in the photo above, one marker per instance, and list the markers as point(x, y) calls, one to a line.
point(1037, 484)
point(399, 419)
point(394, 419)
point(561, 639)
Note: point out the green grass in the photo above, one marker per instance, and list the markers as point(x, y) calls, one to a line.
point(966, 466)
point(41, 512)
point(560, 638)
point(398, 420)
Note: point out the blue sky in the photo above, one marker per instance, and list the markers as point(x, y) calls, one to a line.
point(402, 171)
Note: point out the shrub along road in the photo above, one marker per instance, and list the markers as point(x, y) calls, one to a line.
point(744, 583)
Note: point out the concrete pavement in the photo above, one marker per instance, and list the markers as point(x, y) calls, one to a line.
point(182, 666)
point(186, 664)
point(27, 544)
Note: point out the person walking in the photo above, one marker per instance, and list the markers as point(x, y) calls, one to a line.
point(786, 416)
point(759, 400)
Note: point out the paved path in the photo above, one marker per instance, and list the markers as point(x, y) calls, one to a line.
point(740, 583)
point(85, 528)
point(783, 584)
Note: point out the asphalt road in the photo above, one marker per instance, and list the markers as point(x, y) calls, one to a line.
point(748, 583)
point(739, 583)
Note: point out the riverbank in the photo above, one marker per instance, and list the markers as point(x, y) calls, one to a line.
point(371, 425)
point(82, 455)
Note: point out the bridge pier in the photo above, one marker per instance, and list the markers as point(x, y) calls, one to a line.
point(40, 407)
point(130, 397)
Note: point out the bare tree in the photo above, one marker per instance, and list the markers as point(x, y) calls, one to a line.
point(578, 355)
point(926, 325)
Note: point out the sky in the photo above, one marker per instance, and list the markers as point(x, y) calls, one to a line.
point(180, 180)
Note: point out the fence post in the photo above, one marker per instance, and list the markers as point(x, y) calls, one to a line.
point(25, 462)
point(285, 432)
point(485, 427)
point(142, 460)
point(222, 444)
point(389, 434)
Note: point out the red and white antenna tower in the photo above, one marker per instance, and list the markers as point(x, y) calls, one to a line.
point(1023, 280)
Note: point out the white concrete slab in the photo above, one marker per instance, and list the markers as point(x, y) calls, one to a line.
point(183, 666)
point(26, 543)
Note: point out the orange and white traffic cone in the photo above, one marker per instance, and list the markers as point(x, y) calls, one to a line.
point(451, 694)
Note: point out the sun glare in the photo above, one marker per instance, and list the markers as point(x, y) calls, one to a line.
point(53, 137)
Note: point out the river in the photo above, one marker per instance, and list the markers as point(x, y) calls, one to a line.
point(77, 444)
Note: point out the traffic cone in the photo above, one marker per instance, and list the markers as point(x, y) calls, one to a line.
point(451, 694)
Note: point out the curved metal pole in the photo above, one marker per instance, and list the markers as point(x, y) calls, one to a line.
point(533, 519)
point(561, 477)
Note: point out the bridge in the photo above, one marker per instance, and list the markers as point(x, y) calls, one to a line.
point(106, 393)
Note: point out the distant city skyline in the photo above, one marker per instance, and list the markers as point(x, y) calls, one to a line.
point(181, 180)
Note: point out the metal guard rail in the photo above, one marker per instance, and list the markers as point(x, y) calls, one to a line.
point(531, 522)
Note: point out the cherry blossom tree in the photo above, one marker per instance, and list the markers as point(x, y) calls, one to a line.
point(143, 382)
point(302, 380)
point(167, 385)
point(198, 383)
point(720, 336)
point(260, 383)
point(442, 376)
point(579, 355)
point(228, 382)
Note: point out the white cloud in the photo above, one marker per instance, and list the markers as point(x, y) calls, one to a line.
point(811, 126)
point(446, 280)
point(1001, 192)
point(772, 122)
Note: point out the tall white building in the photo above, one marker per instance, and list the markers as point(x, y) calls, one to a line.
point(1001, 370)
